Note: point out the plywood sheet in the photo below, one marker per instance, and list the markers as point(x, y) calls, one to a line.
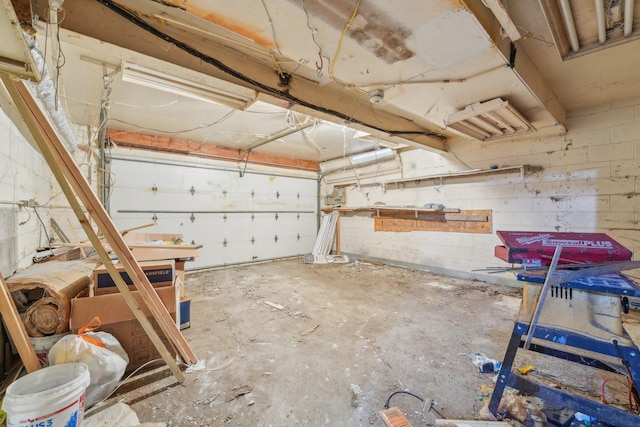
point(454, 222)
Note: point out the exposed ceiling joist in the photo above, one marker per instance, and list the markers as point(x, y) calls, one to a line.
point(93, 19)
point(210, 151)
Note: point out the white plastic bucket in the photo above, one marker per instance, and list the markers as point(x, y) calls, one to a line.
point(50, 397)
point(42, 345)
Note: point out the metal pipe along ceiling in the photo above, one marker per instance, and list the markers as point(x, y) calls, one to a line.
point(280, 134)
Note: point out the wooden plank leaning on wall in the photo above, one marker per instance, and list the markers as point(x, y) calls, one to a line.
point(77, 190)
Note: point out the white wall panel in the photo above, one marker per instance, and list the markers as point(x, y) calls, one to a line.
point(210, 205)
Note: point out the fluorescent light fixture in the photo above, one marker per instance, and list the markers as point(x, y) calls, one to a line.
point(371, 156)
point(489, 120)
point(133, 73)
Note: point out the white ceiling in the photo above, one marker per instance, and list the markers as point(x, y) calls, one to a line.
point(430, 59)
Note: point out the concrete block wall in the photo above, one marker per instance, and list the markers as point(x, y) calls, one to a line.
point(29, 196)
point(589, 182)
point(24, 175)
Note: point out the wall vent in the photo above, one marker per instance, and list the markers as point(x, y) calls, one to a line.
point(489, 120)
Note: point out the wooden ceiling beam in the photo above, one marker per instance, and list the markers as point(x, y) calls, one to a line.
point(92, 19)
point(209, 151)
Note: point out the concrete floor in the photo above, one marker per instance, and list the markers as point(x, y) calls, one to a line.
point(286, 343)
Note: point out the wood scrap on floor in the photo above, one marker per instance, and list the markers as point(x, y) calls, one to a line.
point(310, 330)
point(370, 262)
point(237, 392)
point(274, 305)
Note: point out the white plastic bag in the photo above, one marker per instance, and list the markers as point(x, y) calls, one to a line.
point(101, 351)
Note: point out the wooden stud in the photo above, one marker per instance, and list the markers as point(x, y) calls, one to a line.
point(191, 148)
point(75, 236)
point(17, 330)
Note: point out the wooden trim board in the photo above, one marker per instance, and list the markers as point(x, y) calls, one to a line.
point(466, 222)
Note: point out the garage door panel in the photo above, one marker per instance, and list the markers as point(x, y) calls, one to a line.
point(233, 217)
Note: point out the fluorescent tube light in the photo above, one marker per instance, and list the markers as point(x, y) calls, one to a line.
point(569, 24)
point(600, 19)
point(136, 74)
point(371, 156)
point(628, 17)
point(489, 120)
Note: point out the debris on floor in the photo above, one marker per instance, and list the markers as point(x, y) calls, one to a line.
point(326, 259)
point(119, 414)
point(471, 423)
point(383, 329)
point(485, 364)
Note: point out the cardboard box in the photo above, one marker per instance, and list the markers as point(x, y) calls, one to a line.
point(118, 320)
point(159, 273)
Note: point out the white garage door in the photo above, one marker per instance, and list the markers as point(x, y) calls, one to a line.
point(255, 217)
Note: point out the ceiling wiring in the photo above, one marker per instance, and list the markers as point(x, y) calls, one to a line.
point(309, 140)
point(529, 35)
point(313, 30)
point(340, 40)
point(280, 93)
point(273, 28)
point(203, 126)
point(412, 80)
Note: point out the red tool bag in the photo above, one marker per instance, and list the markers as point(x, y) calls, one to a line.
point(537, 247)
